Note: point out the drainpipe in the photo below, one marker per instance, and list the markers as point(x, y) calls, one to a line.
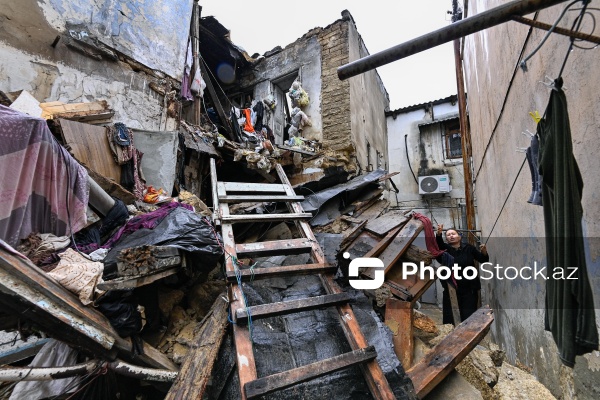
point(464, 129)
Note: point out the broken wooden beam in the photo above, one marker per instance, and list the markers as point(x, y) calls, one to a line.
point(273, 247)
point(399, 318)
point(282, 380)
point(442, 359)
point(197, 366)
point(26, 290)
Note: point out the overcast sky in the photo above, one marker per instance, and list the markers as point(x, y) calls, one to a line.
point(260, 25)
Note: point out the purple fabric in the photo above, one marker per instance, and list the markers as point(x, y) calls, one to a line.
point(186, 93)
point(42, 185)
point(148, 220)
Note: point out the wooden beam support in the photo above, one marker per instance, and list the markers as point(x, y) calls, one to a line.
point(258, 198)
point(282, 380)
point(197, 366)
point(254, 187)
point(232, 219)
point(292, 306)
point(283, 247)
point(442, 359)
point(399, 318)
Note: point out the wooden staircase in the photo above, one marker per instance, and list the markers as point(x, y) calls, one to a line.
point(251, 386)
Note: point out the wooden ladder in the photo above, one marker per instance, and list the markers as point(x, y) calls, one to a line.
point(225, 193)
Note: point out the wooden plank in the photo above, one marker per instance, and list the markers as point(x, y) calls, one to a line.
point(254, 187)
point(232, 219)
point(282, 380)
point(246, 364)
point(112, 188)
point(454, 304)
point(398, 246)
point(22, 352)
point(399, 318)
point(196, 369)
point(286, 270)
point(442, 359)
point(215, 194)
point(386, 222)
point(28, 291)
point(374, 376)
point(291, 306)
point(352, 235)
point(136, 281)
point(274, 247)
point(89, 145)
point(258, 198)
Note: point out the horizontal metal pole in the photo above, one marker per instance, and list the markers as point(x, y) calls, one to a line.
point(487, 19)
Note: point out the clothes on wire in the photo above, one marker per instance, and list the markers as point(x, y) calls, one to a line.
point(124, 154)
point(532, 154)
point(570, 314)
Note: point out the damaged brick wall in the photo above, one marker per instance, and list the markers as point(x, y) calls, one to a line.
point(335, 93)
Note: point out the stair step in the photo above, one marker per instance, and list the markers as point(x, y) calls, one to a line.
point(282, 380)
point(274, 247)
point(231, 219)
point(271, 272)
point(254, 187)
point(291, 306)
point(258, 198)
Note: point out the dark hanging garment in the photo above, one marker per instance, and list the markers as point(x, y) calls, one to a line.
point(570, 314)
point(259, 109)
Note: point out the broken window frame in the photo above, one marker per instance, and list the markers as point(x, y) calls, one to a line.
point(452, 148)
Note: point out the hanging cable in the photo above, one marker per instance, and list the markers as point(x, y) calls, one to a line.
point(523, 63)
point(505, 101)
point(407, 160)
point(576, 27)
point(507, 196)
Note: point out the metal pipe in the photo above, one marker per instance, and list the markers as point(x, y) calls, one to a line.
point(99, 199)
point(487, 19)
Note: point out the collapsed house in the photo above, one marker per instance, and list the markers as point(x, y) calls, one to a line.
point(213, 178)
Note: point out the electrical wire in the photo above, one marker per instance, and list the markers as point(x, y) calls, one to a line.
point(407, 160)
point(507, 196)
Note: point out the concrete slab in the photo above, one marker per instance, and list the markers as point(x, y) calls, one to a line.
point(454, 386)
point(160, 157)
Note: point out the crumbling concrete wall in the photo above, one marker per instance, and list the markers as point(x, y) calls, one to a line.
point(72, 72)
point(301, 58)
point(500, 99)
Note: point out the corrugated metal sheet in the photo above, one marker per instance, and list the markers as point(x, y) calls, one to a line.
point(435, 121)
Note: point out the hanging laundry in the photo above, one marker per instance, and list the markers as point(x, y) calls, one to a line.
point(532, 154)
point(570, 314)
point(299, 120)
point(186, 93)
point(248, 123)
point(259, 109)
point(120, 141)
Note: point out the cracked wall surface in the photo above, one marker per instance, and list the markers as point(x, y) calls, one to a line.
point(500, 99)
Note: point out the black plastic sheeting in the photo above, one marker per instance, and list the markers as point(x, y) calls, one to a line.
point(312, 203)
point(286, 342)
point(181, 228)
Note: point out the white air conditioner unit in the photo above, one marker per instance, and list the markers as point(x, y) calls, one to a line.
point(433, 184)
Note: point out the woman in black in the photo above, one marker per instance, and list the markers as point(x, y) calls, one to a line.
point(467, 290)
